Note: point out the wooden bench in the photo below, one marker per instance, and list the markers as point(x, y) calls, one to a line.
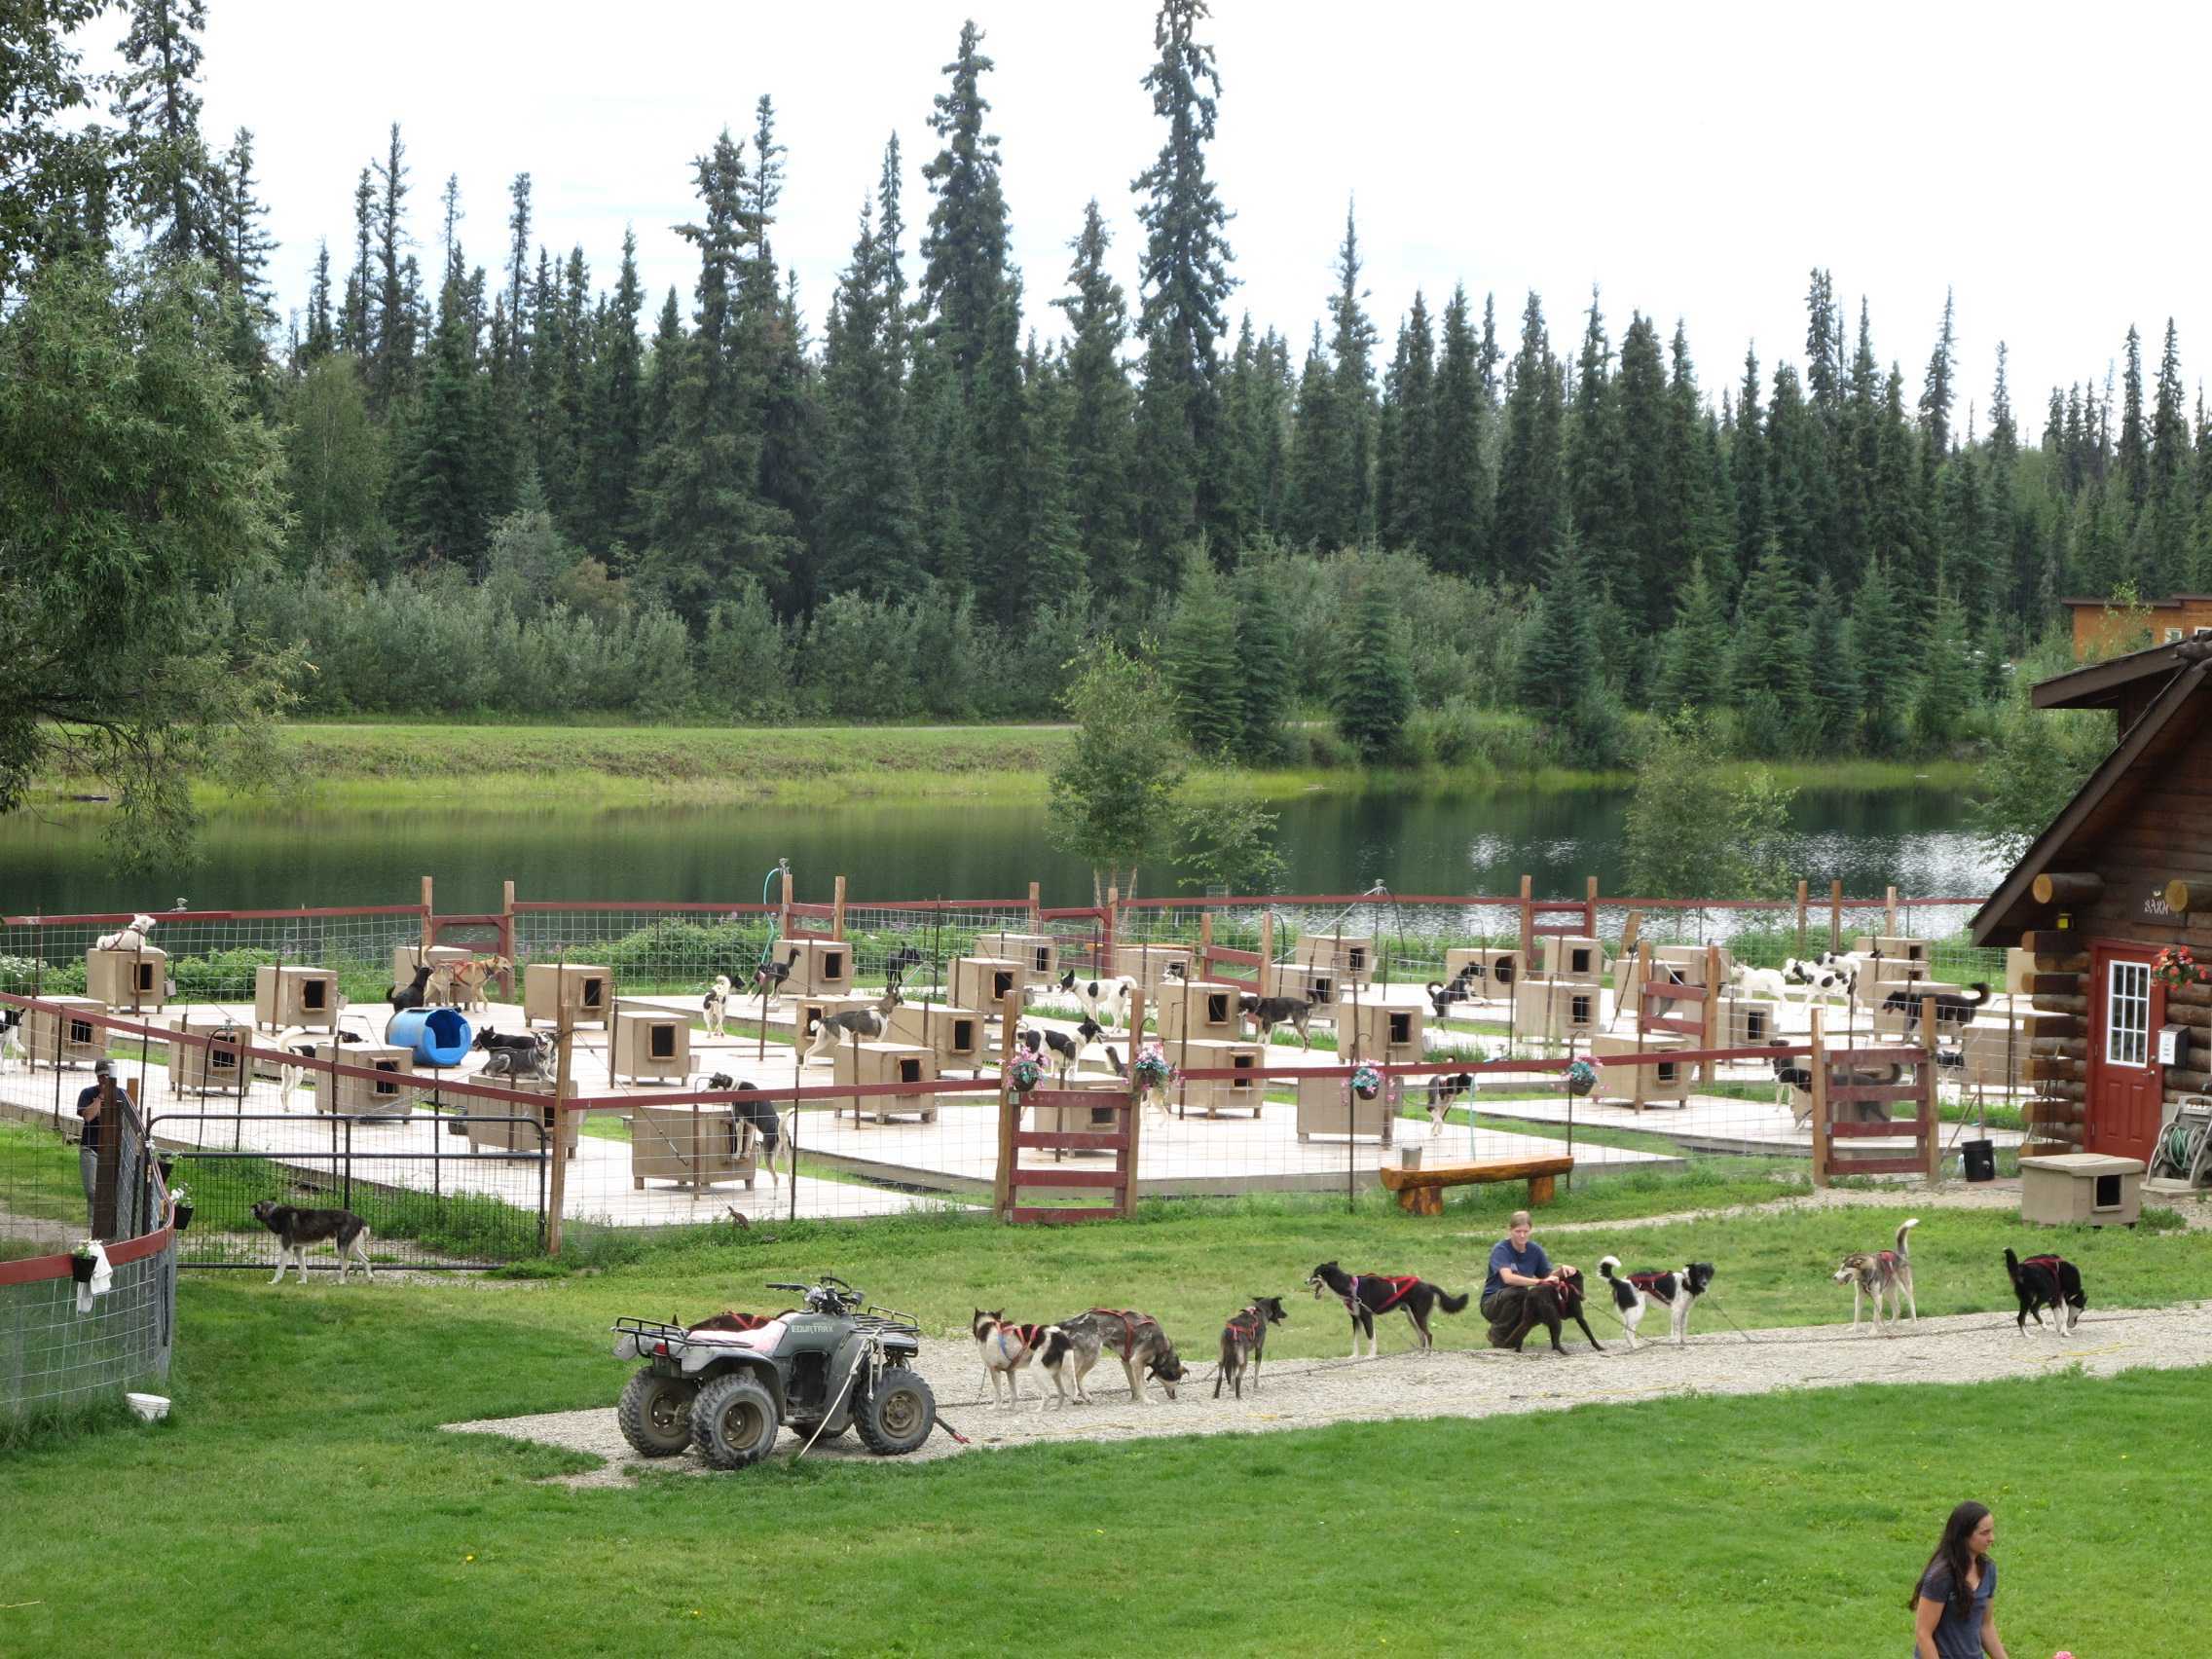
point(1421, 1192)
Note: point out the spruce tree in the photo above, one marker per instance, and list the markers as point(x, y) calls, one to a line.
point(1099, 409)
point(870, 536)
point(1560, 663)
point(1883, 658)
point(1948, 681)
point(1827, 649)
point(1311, 509)
point(2134, 456)
point(1411, 521)
point(1372, 690)
point(1184, 284)
point(964, 245)
point(1693, 668)
point(1772, 676)
point(1352, 345)
point(1460, 509)
point(1267, 668)
point(173, 187)
point(1200, 660)
point(615, 433)
point(1528, 471)
point(1643, 546)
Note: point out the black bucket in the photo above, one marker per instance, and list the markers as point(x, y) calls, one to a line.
point(1977, 1158)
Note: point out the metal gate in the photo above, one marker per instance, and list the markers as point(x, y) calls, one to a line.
point(437, 1189)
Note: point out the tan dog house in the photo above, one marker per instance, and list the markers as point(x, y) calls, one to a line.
point(133, 980)
point(648, 1045)
point(306, 997)
point(549, 989)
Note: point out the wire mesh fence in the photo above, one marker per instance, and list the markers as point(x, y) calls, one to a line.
point(807, 1095)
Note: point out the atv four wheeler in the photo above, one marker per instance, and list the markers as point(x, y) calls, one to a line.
point(819, 1371)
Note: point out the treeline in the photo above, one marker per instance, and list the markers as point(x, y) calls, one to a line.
point(536, 490)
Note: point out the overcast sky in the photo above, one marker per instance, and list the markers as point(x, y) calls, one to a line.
point(1693, 161)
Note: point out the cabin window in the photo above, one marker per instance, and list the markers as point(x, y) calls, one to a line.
point(660, 1042)
point(2127, 1014)
point(2173, 636)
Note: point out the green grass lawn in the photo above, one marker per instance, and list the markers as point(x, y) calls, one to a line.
point(303, 1492)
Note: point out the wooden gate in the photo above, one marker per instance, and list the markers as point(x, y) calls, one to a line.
point(1838, 1095)
point(1058, 1107)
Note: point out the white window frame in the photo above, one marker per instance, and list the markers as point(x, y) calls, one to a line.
point(2127, 1014)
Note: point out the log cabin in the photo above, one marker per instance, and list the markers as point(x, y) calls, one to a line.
point(2111, 882)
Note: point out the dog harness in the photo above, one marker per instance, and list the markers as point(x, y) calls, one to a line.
point(1028, 1336)
point(1401, 1287)
point(1650, 1284)
point(2048, 1264)
point(1130, 1320)
point(1247, 1336)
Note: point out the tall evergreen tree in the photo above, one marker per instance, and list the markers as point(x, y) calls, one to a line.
point(614, 436)
point(1406, 510)
point(2134, 453)
point(1184, 285)
point(394, 324)
point(1266, 669)
point(1199, 661)
point(173, 187)
point(870, 534)
point(964, 249)
point(1772, 675)
point(1099, 409)
point(1529, 472)
point(1693, 661)
point(1460, 475)
point(1883, 647)
point(1352, 345)
point(1559, 664)
point(1373, 690)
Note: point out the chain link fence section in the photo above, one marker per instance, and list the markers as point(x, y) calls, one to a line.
point(210, 956)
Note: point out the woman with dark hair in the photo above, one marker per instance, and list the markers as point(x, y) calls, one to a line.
point(1955, 1602)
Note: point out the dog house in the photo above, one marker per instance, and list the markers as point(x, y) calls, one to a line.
point(1316, 985)
point(1327, 1106)
point(862, 1063)
point(1084, 1117)
point(1554, 1011)
point(1752, 1022)
point(2077, 1189)
point(1571, 956)
point(512, 1129)
point(809, 1012)
point(359, 1096)
point(1498, 969)
point(133, 980)
point(286, 995)
point(62, 1033)
point(648, 1045)
point(1655, 1083)
point(1349, 956)
point(693, 1146)
point(1380, 1033)
point(1152, 966)
point(1900, 958)
point(407, 958)
point(585, 994)
point(955, 1035)
point(984, 982)
point(819, 967)
point(1038, 953)
point(210, 1069)
point(1218, 1095)
point(1199, 1009)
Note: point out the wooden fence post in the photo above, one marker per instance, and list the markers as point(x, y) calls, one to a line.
point(1709, 1070)
point(1527, 924)
point(1135, 1122)
point(1205, 944)
point(837, 908)
point(1803, 891)
point(1932, 1129)
point(509, 975)
point(1835, 915)
point(429, 910)
point(1818, 1062)
point(1036, 920)
point(1590, 905)
point(1890, 913)
point(563, 1091)
point(1009, 1110)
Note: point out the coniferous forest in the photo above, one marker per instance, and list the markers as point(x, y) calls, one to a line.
point(507, 479)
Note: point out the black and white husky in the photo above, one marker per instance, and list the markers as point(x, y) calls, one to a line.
point(755, 1111)
point(714, 1004)
point(1006, 1349)
point(859, 1025)
point(1268, 1012)
point(1066, 1049)
point(1365, 1295)
point(1105, 1002)
point(296, 1229)
point(11, 1046)
point(1676, 1289)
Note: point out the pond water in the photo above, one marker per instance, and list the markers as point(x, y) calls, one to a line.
point(56, 863)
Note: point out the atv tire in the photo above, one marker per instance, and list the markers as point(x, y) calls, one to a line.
point(735, 1421)
point(656, 1413)
point(896, 1415)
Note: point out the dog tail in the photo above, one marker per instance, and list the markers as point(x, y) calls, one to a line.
point(1448, 1303)
point(1607, 1266)
point(2011, 1265)
point(1903, 1235)
point(1435, 988)
point(1980, 995)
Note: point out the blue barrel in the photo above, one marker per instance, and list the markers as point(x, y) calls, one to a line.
point(439, 1036)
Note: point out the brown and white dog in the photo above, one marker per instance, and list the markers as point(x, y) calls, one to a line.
point(1880, 1274)
point(1006, 1349)
point(1072, 1348)
point(1243, 1340)
point(296, 1229)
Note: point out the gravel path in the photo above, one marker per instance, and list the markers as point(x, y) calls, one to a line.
point(1969, 1348)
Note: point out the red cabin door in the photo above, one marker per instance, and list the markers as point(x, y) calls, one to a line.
point(2126, 1085)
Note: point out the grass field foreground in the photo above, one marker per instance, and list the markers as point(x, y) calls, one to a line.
point(303, 1485)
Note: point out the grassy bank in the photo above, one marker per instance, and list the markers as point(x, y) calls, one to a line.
point(348, 764)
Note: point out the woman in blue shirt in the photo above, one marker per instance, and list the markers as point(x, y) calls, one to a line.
point(1955, 1602)
point(1517, 1263)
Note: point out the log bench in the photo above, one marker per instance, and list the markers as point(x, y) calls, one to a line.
point(1421, 1192)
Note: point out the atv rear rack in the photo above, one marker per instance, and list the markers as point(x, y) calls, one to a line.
point(653, 1335)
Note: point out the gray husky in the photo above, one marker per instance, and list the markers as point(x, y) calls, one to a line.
point(1135, 1338)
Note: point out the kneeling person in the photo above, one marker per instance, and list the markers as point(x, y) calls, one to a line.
point(1517, 1265)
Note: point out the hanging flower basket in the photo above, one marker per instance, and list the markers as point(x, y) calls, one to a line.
point(1367, 1082)
point(1581, 1078)
point(82, 1262)
point(2175, 967)
point(1152, 1068)
point(1025, 1075)
point(180, 1209)
point(182, 1221)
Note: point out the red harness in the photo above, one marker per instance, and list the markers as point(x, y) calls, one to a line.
point(1247, 1336)
point(1028, 1336)
point(1130, 1319)
point(2046, 1264)
point(1401, 1287)
point(1651, 1285)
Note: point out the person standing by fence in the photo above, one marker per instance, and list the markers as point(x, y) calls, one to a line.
point(92, 1108)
